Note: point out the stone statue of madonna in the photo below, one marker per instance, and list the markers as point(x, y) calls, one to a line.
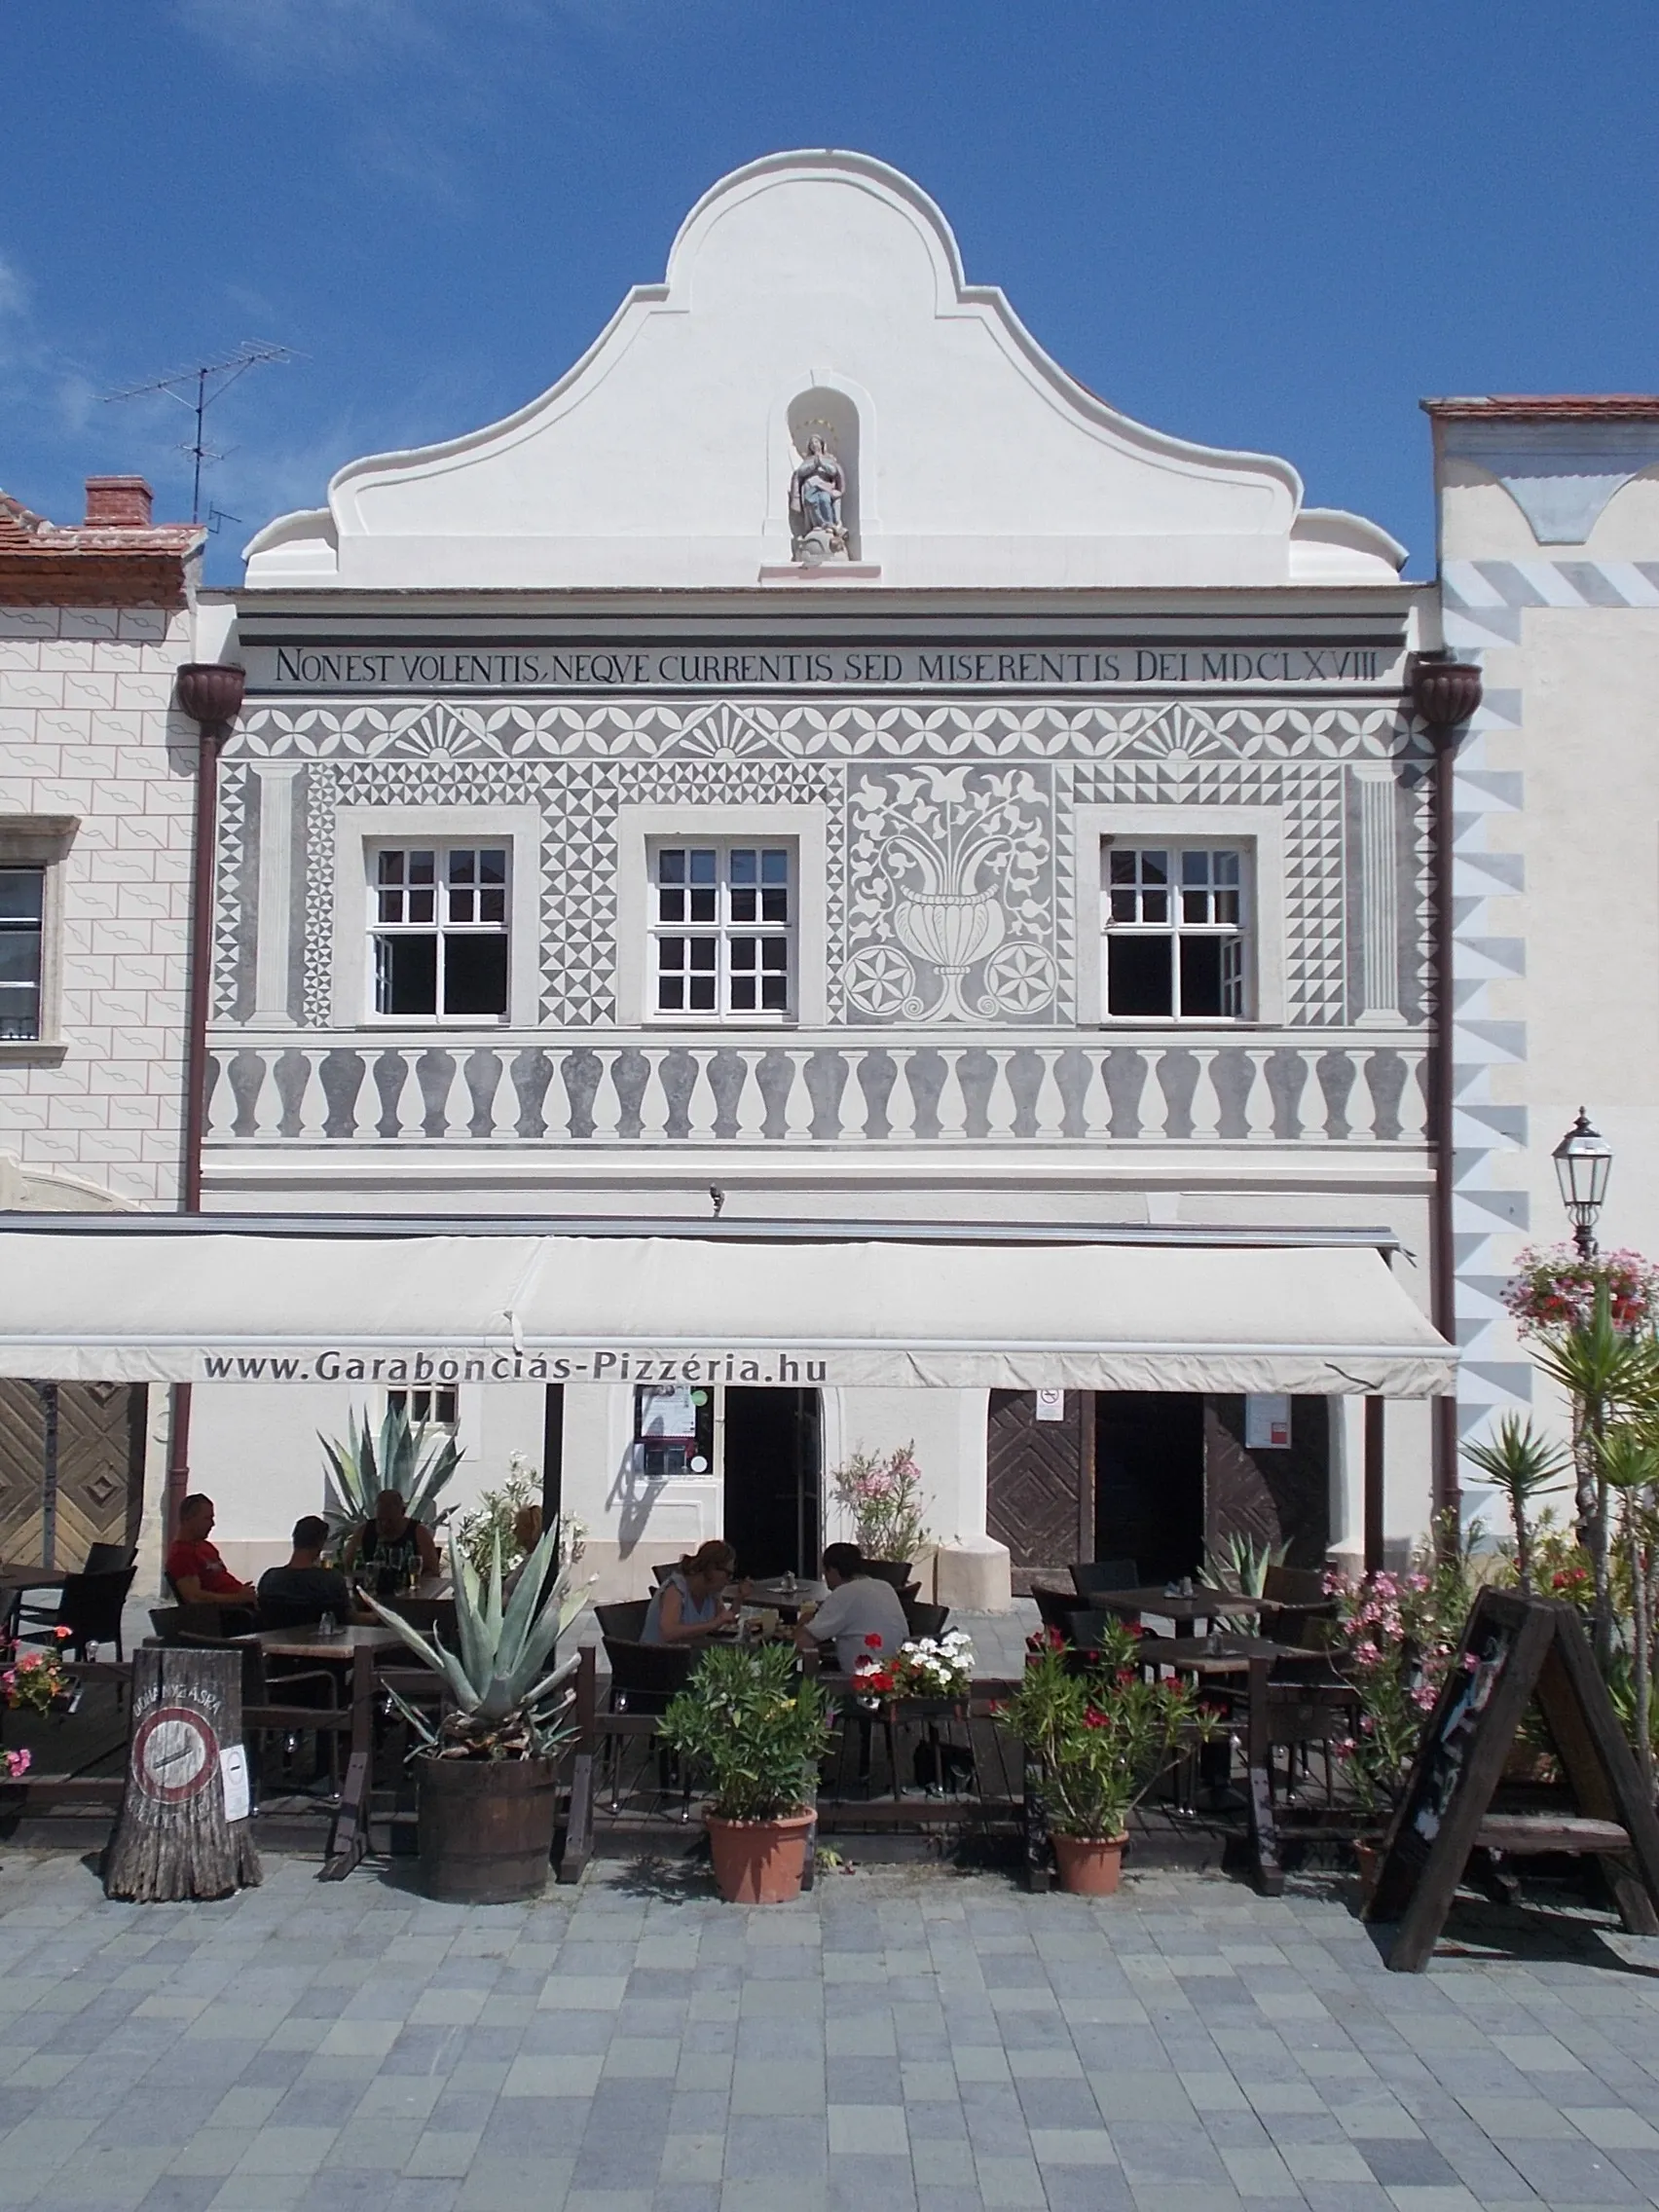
point(816, 491)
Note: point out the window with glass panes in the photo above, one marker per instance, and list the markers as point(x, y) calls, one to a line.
point(723, 930)
point(435, 1409)
point(22, 910)
point(439, 930)
point(1174, 928)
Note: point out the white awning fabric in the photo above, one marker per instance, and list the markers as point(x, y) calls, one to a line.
point(297, 1309)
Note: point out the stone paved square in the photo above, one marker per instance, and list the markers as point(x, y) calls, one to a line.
point(906, 2040)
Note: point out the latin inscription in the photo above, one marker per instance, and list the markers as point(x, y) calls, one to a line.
point(695, 668)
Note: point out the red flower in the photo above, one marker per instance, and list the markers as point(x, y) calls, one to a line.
point(872, 1644)
point(62, 1634)
point(1093, 1717)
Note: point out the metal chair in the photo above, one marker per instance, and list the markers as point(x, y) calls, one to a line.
point(625, 1621)
point(433, 1615)
point(108, 1559)
point(1055, 1607)
point(269, 1705)
point(924, 1620)
point(1089, 1576)
point(89, 1608)
point(644, 1678)
point(1296, 1598)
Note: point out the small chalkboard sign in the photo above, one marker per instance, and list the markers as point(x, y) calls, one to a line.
point(1514, 1649)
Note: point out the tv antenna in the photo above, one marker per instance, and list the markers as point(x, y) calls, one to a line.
point(196, 389)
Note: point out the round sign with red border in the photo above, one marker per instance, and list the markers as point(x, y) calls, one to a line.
point(175, 1754)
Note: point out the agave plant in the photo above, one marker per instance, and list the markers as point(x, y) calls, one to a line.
point(398, 1460)
point(507, 1705)
point(1242, 1563)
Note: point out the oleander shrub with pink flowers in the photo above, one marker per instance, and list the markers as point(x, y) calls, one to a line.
point(1101, 1732)
point(1396, 1636)
point(881, 1494)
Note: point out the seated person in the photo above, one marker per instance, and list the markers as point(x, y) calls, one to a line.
point(389, 1552)
point(303, 1590)
point(689, 1603)
point(198, 1574)
point(862, 1616)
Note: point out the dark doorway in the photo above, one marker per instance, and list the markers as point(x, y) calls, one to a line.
point(1149, 1481)
point(771, 1480)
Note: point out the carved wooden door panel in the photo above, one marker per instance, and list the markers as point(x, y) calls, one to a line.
point(1270, 1496)
point(1036, 1478)
point(23, 1443)
point(98, 1494)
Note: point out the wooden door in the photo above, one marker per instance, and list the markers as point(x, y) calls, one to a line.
point(1272, 1498)
point(1039, 1487)
point(95, 1494)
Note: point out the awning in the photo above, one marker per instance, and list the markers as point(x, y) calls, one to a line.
point(1003, 1315)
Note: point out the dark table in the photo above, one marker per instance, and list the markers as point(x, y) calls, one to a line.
point(1202, 1604)
point(19, 1576)
point(359, 1648)
point(1255, 1656)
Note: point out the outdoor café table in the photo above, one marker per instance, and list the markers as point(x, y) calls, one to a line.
point(358, 1648)
point(1202, 1604)
point(1254, 1656)
point(777, 1595)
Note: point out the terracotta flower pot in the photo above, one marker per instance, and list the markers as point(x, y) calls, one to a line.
point(1089, 1867)
point(759, 1861)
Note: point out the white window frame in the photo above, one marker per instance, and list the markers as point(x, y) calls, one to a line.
point(442, 926)
point(43, 841)
point(1257, 832)
point(359, 832)
point(723, 930)
point(642, 830)
point(434, 1394)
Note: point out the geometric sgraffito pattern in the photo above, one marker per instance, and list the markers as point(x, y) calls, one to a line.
point(1002, 776)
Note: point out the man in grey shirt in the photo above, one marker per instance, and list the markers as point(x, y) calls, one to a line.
point(862, 1616)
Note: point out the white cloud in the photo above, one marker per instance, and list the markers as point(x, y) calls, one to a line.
point(280, 37)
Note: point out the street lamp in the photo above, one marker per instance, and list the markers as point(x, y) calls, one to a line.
point(1583, 1159)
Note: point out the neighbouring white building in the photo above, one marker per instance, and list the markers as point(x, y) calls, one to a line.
point(819, 766)
point(1549, 569)
point(96, 793)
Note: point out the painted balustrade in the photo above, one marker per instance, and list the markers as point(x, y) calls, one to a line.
point(1273, 1088)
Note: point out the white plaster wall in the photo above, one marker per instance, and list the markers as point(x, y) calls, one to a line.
point(84, 731)
point(663, 458)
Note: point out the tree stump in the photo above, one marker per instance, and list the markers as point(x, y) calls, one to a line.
point(174, 1839)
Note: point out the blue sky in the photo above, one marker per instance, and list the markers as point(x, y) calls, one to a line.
point(1273, 224)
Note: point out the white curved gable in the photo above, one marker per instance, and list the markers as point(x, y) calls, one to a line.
point(663, 458)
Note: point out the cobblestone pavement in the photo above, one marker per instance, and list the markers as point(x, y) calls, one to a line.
point(904, 2041)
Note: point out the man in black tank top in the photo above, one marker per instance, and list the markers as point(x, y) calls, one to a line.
point(391, 1552)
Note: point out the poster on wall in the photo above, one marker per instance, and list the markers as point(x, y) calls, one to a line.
point(1266, 1421)
point(668, 1416)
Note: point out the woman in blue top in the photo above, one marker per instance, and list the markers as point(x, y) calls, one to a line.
point(689, 1603)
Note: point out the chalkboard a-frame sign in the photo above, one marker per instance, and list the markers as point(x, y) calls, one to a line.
point(1514, 1649)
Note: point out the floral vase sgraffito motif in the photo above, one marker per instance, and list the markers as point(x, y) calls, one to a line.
point(950, 910)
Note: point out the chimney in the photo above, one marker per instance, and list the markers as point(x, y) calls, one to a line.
point(117, 502)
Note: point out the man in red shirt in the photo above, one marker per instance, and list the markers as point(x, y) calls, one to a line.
point(197, 1572)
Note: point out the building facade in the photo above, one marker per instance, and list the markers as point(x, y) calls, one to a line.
point(1549, 565)
point(817, 762)
point(95, 807)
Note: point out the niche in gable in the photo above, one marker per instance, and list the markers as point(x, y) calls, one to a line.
point(832, 417)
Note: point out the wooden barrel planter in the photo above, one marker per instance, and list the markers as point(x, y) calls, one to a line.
point(485, 1828)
